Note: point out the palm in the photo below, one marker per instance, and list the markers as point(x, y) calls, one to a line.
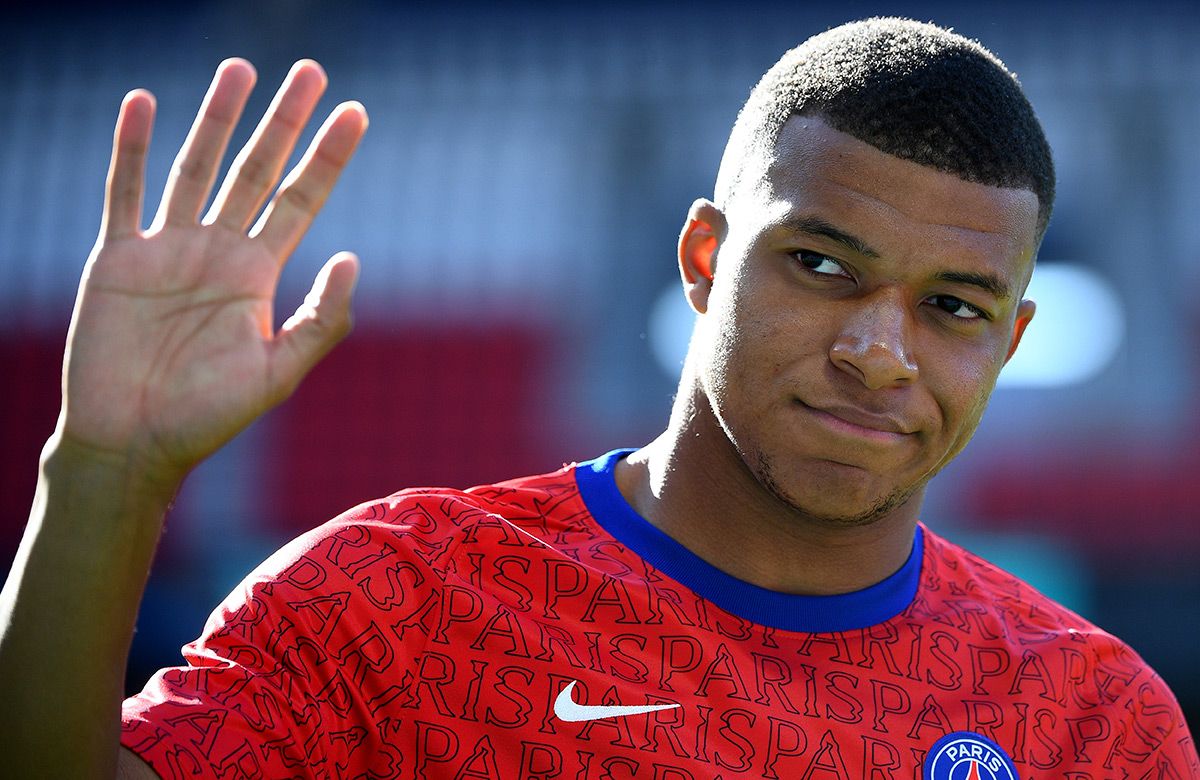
point(172, 347)
point(174, 357)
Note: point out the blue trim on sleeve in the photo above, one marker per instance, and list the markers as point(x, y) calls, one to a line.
point(813, 614)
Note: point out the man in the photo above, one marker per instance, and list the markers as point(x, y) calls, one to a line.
point(749, 595)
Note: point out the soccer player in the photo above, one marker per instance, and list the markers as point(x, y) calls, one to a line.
point(749, 595)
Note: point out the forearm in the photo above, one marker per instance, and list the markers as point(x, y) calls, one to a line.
point(68, 608)
point(171, 351)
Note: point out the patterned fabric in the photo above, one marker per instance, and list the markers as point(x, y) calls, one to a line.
point(489, 633)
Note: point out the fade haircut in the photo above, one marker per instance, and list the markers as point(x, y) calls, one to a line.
point(912, 90)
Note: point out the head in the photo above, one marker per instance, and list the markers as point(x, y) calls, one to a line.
point(860, 272)
point(912, 90)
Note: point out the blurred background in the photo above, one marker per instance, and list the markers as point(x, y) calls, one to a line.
point(516, 204)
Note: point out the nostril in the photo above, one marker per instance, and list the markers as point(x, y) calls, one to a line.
point(877, 363)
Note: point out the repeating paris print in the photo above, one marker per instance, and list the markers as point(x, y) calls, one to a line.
point(491, 634)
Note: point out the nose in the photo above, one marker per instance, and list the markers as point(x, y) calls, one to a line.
point(874, 344)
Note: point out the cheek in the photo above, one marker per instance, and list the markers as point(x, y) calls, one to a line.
point(724, 332)
point(749, 335)
point(966, 390)
point(722, 357)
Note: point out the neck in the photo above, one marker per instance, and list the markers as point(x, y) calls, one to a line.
point(694, 486)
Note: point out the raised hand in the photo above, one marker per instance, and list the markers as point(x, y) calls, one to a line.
point(171, 349)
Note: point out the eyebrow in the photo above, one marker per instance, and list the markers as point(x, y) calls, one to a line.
point(989, 282)
point(818, 227)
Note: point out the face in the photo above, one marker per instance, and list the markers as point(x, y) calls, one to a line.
point(856, 310)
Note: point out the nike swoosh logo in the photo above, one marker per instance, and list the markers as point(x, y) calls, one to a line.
point(566, 709)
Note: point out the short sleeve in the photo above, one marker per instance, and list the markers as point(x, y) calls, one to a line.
point(293, 666)
point(1134, 725)
point(1155, 714)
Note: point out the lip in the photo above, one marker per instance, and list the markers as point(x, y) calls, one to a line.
point(859, 423)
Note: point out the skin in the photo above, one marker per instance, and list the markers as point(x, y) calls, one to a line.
point(171, 352)
point(855, 311)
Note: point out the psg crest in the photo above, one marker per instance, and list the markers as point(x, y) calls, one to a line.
point(965, 755)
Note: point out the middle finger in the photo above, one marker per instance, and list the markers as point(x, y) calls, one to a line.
point(257, 167)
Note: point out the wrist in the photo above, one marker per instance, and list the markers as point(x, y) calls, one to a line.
point(70, 461)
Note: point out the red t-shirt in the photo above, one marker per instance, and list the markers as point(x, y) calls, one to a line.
point(540, 628)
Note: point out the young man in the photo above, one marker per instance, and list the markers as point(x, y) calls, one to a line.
point(749, 595)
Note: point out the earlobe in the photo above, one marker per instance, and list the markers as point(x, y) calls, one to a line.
point(1025, 312)
point(698, 244)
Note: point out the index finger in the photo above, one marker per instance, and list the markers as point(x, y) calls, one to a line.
point(125, 184)
point(196, 165)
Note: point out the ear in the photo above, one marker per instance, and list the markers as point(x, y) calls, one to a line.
point(1025, 312)
point(698, 241)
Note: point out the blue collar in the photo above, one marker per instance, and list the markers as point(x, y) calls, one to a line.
point(812, 614)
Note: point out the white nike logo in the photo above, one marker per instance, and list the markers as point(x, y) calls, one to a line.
point(566, 708)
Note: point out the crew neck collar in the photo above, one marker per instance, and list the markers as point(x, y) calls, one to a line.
point(812, 614)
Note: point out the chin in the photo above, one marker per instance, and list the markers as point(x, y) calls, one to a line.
point(845, 510)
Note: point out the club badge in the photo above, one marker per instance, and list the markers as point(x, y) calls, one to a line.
point(965, 755)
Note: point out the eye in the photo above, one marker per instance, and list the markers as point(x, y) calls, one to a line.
point(958, 308)
point(819, 264)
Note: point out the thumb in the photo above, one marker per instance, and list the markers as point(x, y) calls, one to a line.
point(317, 325)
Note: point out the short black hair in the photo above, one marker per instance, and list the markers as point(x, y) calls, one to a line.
point(912, 90)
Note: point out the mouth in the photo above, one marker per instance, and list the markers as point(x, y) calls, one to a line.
point(858, 423)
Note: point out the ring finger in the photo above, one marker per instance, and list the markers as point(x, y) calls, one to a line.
point(257, 167)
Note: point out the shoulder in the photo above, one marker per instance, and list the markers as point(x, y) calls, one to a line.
point(428, 524)
point(519, 498)
point(960, 581)
point(435, 515)
point(336, 623)
point(991, 607)
point(1036, 645)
